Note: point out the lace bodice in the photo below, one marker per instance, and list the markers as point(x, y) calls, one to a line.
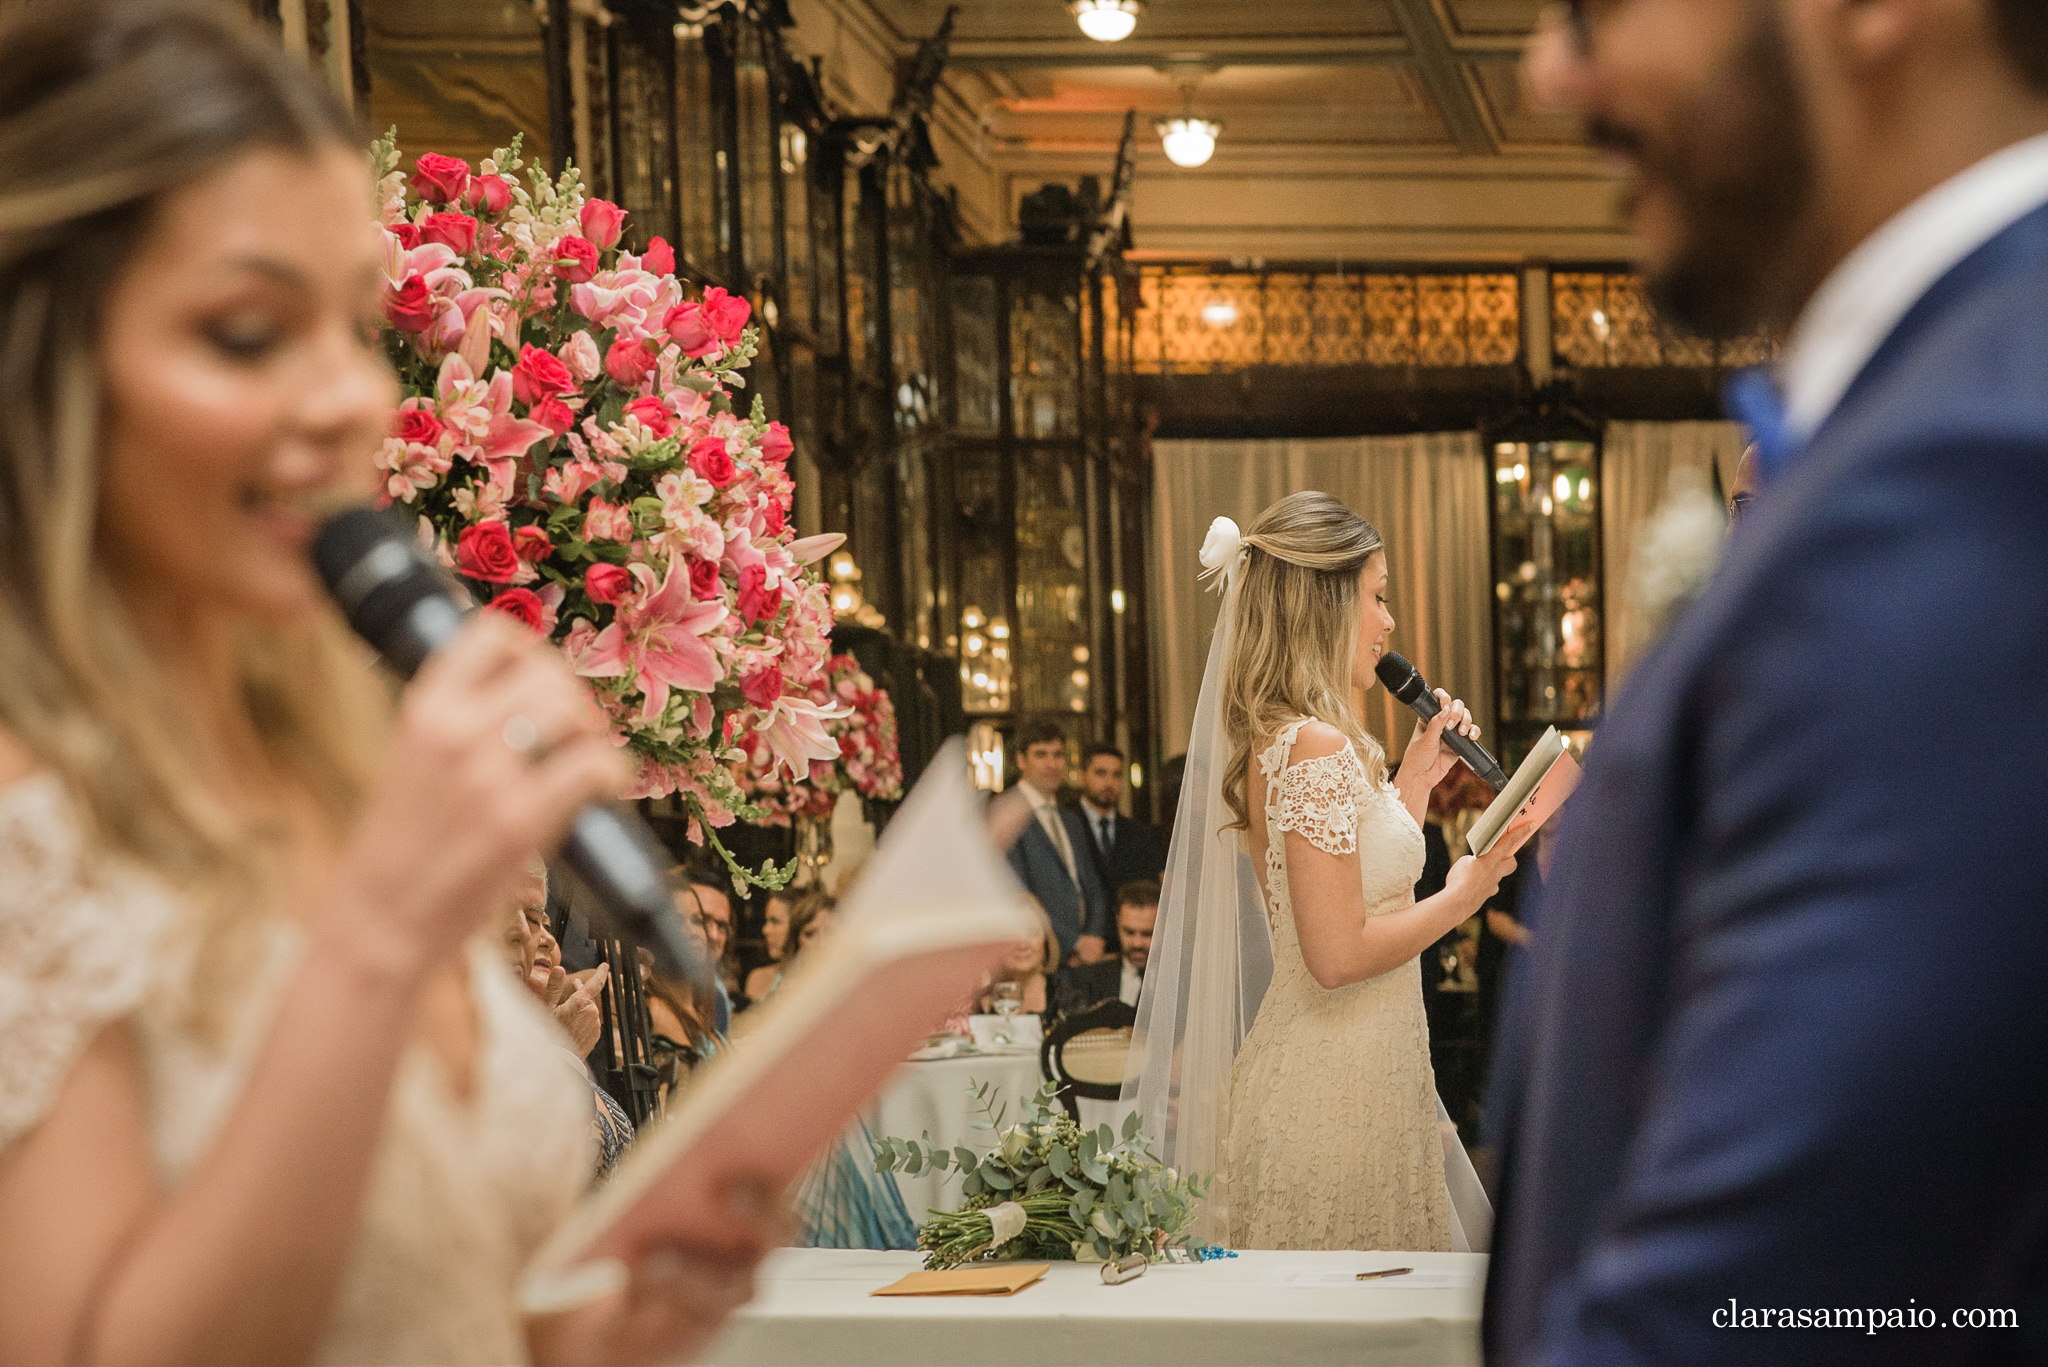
point(461, 1192)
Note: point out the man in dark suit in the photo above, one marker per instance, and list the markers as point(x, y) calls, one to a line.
point(1119, 979)
point(1124, 848)
point(1761, 1071)
point(1051, 856)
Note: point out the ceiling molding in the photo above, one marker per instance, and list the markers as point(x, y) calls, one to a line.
point(1445, 76)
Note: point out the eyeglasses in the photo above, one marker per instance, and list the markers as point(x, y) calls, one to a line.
point(1738, 505)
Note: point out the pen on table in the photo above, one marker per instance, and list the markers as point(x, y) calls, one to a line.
point(1384, 1272)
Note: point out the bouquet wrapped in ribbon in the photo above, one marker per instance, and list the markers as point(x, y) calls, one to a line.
point(571, 447)
point(1049, 1190)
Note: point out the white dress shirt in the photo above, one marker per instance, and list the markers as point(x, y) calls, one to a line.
point(1127, 990)
point(1870, 293)
point(1101, 825)
point(1048, 813)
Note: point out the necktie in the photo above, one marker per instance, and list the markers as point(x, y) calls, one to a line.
point(1752, 399)
point(1103, 836)
point(1049, 818)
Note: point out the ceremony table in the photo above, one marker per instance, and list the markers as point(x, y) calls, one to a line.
point(814, 1306)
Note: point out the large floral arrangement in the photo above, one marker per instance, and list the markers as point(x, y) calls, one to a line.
point(1050, 1189)
point(868, 762)
point(570, 444)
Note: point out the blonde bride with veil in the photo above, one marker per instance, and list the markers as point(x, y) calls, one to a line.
point(1281, 1038)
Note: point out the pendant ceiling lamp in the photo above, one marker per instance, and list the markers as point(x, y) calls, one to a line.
point(1187, 140)
point(1106, 21)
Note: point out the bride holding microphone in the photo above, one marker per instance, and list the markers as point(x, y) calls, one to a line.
point(265, 1095)
point(1281, 1038)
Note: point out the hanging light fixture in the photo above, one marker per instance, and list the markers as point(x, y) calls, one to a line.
point(1106, 21)
point(1188, 141)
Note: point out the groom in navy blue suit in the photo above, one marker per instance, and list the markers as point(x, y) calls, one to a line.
point(1774, 1087)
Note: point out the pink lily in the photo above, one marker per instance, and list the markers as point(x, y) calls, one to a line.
point(656, 640)
point(795, 734)
point(481, 412)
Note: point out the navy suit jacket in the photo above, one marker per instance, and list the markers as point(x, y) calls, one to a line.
point(1783, 1042)
point(1075, 911)
point(1136, 853)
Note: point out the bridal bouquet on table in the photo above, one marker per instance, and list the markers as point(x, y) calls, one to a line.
point(1050, 1189)
point(867, 762)
point(570, 444)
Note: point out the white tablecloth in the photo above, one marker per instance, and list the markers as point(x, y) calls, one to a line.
point(814, 1307)
point(933, 1096)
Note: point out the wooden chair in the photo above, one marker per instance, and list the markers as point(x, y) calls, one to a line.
point(1085, 1053)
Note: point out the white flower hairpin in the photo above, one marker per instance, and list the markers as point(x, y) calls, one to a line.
point(1222, 550)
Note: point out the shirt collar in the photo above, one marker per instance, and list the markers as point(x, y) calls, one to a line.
point(1870, 293)
point(1096, 813)
point(1039, 801)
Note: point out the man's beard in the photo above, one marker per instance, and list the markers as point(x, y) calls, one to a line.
point(1739, 166)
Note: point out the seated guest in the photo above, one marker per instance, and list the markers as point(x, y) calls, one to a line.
point(707, 915)
point(1085, 985)
point(1123, 848)
point(1051, 856)
point(775, 935)
point(714, 913)
point(1029, 965)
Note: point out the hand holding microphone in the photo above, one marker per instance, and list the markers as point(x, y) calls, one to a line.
point(1457, 731)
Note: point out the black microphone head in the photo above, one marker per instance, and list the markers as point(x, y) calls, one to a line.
point(373, 565)
point(1402, 679)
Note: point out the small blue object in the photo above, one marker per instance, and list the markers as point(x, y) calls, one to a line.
point(1209, 1253)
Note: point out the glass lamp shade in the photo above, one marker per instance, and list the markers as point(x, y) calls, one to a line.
point(1188, 141)
point(1107, 21)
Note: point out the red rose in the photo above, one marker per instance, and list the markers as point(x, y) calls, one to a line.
point(408, 235)
point(726, 313)
point(441, 180)
point(456, 232)
point(553, 414)
point(531, 544)
point(660, 258)
point(489, 194)
point(521, 605)
point(540, 374)
point(653, 415)
point(708, 459)
point(629, 363)
point(606, 583)
point(575, 259)
point(419, 426)
point(687, 325)
point(412, 306)
point(776, 518)
point(776, 445)
point(601, 220)
point(705, 583)
point(757, 601)
point(763, 686)
point(485, 552)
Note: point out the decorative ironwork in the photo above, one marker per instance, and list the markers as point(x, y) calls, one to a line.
point(1194, 321)
point(1602, 319)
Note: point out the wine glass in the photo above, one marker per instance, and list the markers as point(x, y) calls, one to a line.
point(1007, 997)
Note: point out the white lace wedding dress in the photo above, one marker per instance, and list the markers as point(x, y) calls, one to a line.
point(462, 1191)
point(1334, 1140)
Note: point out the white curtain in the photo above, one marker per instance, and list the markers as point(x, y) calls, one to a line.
point(1426, 494)
point(1638, 461)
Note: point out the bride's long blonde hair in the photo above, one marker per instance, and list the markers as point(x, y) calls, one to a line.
point(106, 106)
point(1294, 633)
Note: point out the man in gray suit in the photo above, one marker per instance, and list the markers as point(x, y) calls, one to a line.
point(1052, 856)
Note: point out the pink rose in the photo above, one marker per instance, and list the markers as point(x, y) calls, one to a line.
point(660, 258)
point(531, 544)
point(776, 445)
point(629, 363)
point(488, 194)
point(417, 425)
point(412, 306)
point(579, 353)
point(607, 583)
point(485, 552)
point(601, 220)
point(727, 314)
point(705, 583)
point(709, 460)
point(653, 416)
point(539, 375)
point(456, 232)
point(441, 180)
point(763, 686)
point(553, 414)
point(408, 235)
point(688, 327)
point(758, 602)
point(575, 259)
point(521, 605)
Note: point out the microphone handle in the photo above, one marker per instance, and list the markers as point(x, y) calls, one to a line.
point(1464, 747)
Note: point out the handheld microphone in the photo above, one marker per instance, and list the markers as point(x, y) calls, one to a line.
point(1404, 681)
point(401, 601)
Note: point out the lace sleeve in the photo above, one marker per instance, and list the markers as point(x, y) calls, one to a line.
point(78, 950)
point(1319, 798)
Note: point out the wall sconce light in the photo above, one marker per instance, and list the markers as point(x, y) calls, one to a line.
point(848, 604)
point(1106, 21)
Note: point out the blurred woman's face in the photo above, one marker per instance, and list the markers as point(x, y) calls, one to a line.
point(817, 926)
point(775, 927)
point(244, 383)
point(1024, 958)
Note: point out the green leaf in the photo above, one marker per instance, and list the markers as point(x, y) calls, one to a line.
point(1118, 1191)
point(1040, 1175)
point(1131, 1123)
point(997, 1178)
point(1060, 1161)
point(967, 1158)
point(916, 1164)
point(1108, 1138)
point(973, 1186)
point(1133, 1214)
